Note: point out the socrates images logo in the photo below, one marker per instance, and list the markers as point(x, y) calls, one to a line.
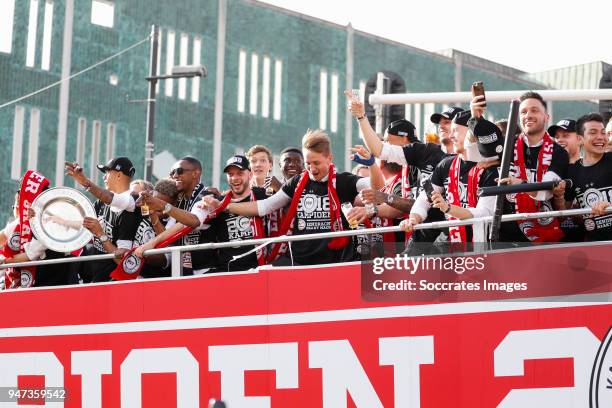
point(601, 376)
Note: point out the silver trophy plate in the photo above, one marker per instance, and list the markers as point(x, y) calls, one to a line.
point(58, 220)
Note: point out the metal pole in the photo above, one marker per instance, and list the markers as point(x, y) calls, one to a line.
point(381, 111)
point(149, 145)
point(506, 159)
point(492, 96)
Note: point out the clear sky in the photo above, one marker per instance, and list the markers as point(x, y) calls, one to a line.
point(531, 35)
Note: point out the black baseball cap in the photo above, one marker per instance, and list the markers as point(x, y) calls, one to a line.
point(569, 125)
point(237, 161)
point(489, 137)
point(403, 128)
point(121, 163)
point(450, 113)
point(462, 118)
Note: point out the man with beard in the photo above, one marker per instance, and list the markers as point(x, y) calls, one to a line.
point(537, 158)
point(592, 178)
point(444, 121)
point(230, 227)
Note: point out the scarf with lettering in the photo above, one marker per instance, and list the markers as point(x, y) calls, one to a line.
point(32, 184)
point(459, 233)
point(334, 212)
point(534, 230)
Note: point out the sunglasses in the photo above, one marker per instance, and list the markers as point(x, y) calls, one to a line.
point(178, 171)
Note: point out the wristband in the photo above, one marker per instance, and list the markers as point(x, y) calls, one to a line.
point(360, 117)
point(366, 162)
point(447, 209)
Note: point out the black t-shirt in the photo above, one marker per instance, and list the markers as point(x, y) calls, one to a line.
point(425, 157)
point(145, 233)
point(591, 184)
point(117, 225)
point(229, 227)
point(201, 259)
point(441, 177)
point(313, 216)
point(510, 231)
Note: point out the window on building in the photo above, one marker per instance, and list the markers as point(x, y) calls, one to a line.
point(323, 99)
point(33, 138)
point(95, 150)
point(110, 141)
point(7, 18)
point(32, 30)
point(17, 143)
point(333, 119)
point(196, 60)
point(254, 83)
point(80, 143)
point(103, 13)
point(169, 62)
point(242, 80)
point(265, 88)
point(278, 83)
point(183, 55)
point(45, 62)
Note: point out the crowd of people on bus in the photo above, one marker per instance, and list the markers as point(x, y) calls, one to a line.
point(398, 181)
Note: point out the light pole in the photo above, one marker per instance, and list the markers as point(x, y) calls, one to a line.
point(180, 71)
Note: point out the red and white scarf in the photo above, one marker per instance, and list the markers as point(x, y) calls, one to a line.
point(459, 233)
point(334, 212)
point(533, 230)
point(32, 184)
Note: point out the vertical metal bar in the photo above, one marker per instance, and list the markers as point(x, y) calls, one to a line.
point(348, 119)
point(507, 157)
point(176, 264)
point(149, 145)
point(382, 111)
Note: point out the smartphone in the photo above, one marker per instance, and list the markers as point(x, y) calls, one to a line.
point(428, 188)
point(478, 89)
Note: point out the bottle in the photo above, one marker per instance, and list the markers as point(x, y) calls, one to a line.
point(144, 209)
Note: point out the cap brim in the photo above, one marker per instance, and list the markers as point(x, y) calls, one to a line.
point(234, 165)
point(102, 168)
point(553, 129)
point(435, 118)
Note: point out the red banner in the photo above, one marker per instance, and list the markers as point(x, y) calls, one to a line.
point(300, 337)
